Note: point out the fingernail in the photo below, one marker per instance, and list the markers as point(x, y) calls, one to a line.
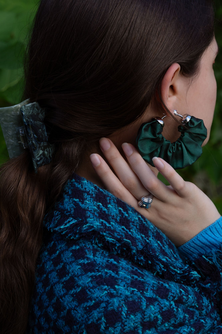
point(95, 160)
point(158, 163)
point(105, 144)
point(127, 149)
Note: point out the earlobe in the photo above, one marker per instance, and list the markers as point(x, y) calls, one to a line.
point(170, 86)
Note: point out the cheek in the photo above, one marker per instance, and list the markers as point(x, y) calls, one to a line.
point(201, 100)
point(207, 101)
point(214, 94)
point(212, 98)
point(209, 107)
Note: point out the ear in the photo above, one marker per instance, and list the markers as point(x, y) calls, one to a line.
point(170, 86)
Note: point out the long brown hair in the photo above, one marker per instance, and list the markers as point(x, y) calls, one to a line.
point(94, 65)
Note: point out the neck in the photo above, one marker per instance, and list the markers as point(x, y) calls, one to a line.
point(86, 170)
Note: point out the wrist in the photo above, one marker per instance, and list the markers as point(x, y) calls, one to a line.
point(208, 240)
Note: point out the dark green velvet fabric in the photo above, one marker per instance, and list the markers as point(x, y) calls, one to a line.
point(184, 152)
point(36, 135)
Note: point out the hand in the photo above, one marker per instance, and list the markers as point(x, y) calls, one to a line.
point(180, 210)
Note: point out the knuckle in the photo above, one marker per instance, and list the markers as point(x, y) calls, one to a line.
point(136, 159)
point(104, 171)
point(171, 173)
point(112, 153)
point(181, 185)
point(130, 183)
point(151, 185)
point(191, 187)
point(117, 192)
point(113, 157)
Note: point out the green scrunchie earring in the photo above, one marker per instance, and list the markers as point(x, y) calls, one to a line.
point(182, 153)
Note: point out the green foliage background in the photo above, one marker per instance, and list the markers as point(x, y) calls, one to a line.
point(16, 17)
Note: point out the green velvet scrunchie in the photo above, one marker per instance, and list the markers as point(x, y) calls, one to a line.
point(182, 153)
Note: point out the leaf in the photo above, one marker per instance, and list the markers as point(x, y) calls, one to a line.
point(7, 26)
point(218, 204)
point(9, 78)
point(23, 25)
point(12, 55)
point(18, 6)
point(13, 95)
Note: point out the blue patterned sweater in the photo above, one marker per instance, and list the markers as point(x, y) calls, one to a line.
point(103, 268)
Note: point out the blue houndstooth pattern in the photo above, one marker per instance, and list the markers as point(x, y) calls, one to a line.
point(103, 268)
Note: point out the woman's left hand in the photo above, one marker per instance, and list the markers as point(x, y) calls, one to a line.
point(180, 210)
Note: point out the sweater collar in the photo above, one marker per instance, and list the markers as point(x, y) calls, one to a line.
point(86, 207)
point(88, 212)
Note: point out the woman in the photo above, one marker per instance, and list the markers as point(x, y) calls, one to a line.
point(96, 265)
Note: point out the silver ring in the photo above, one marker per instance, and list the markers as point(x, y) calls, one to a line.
point(146, 201)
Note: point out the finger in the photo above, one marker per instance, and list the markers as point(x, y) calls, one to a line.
point(114, 186)
point(122, 169)
point(175, 180)
point(110, 181)
point(145, 174)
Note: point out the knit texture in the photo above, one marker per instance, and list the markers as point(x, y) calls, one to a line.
point(103, 268)
point(205, 241)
